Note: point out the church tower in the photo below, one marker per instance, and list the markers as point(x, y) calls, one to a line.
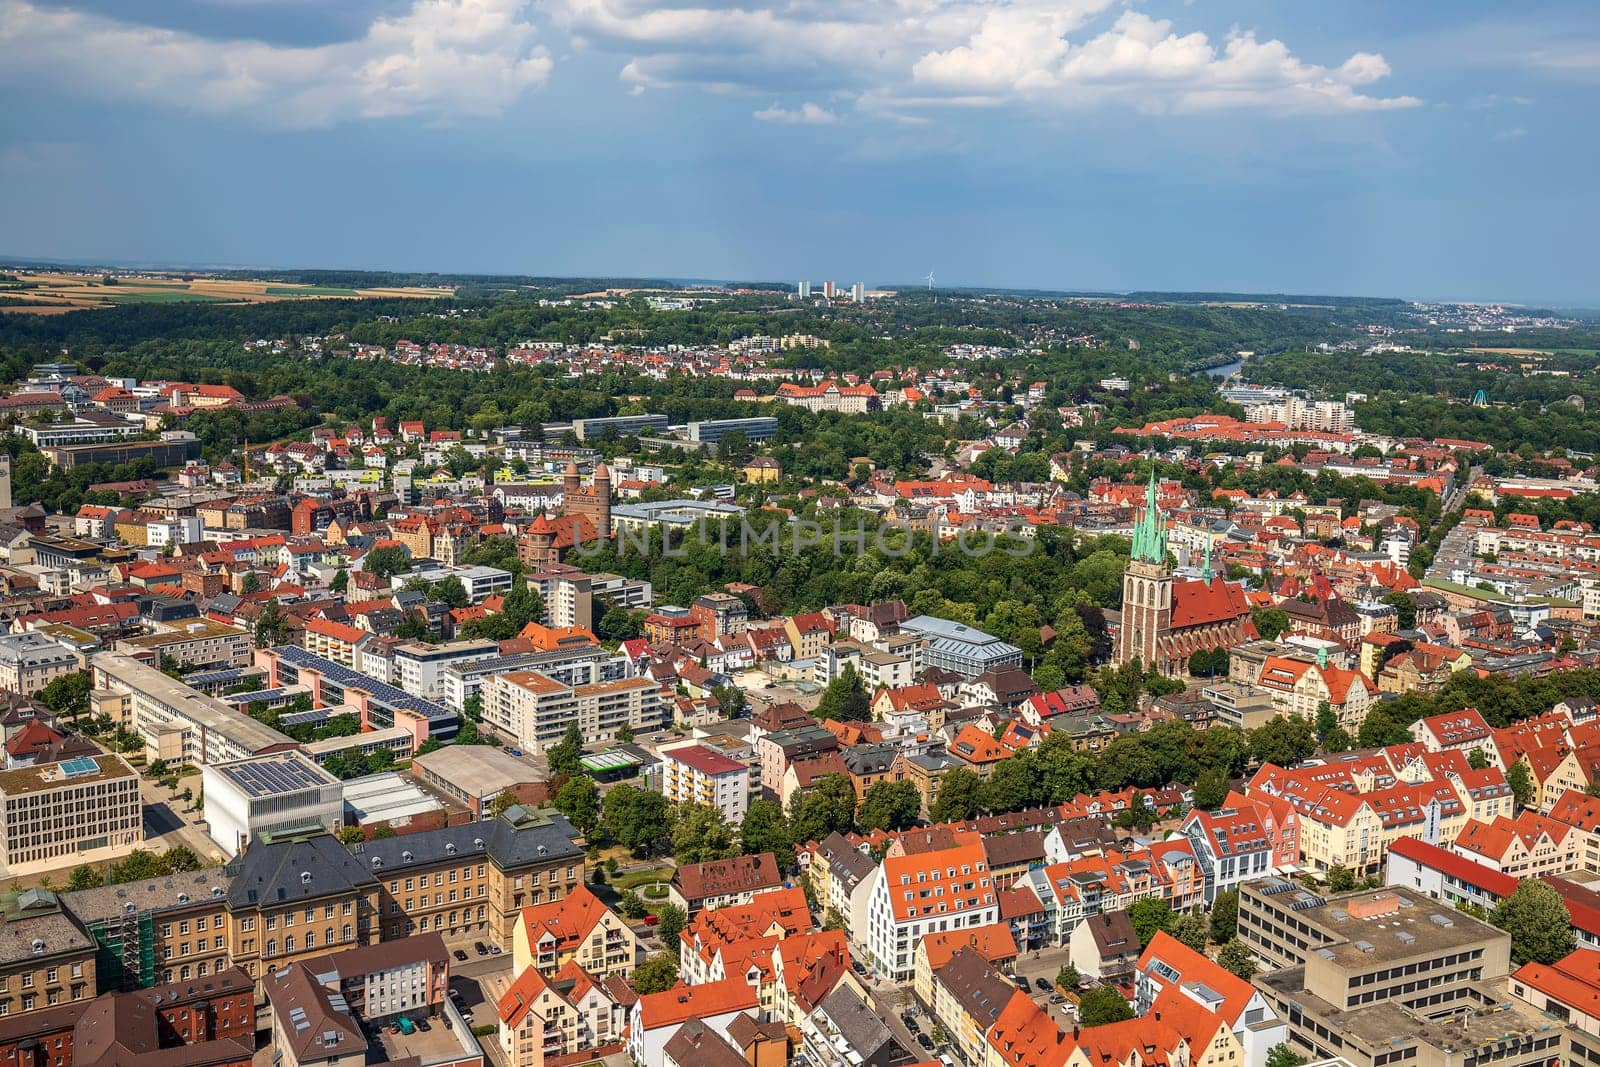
point(1146, 589)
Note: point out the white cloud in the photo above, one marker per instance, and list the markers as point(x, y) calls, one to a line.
point(440, 59)
point(807, 114)
point(897, 56)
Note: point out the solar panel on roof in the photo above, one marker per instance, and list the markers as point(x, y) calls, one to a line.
point(272, 778)
point(382, 693)
point(74, 768)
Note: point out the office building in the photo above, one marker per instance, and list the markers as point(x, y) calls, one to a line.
point(278, 792)
point(676, 515)
point(90, 428)
point(176, 448)
point(756, 428)
point(417, 668)
point(58, 811)
point(178, 724)
point(618, 426)
point(379, 704)
point(952, 646)
point(1390, 976)
point(581, 664)
point(804, 289)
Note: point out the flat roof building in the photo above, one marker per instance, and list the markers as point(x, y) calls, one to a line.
point(266, 794)
point(179, 724)
point(1390, 976)
point(473, 774)
point(57, 811)
point(952, 646)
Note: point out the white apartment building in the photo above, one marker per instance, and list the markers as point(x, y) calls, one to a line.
point(535, 709)
point(419, 669)
point(912, 896)
point(56, 810)
point(696, 774)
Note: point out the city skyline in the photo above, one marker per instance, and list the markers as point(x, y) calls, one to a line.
point(1091, 145)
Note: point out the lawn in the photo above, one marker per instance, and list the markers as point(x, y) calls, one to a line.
point(309, 290)
point(634, 879)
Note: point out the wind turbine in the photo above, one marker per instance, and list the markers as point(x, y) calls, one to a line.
point(930, 281)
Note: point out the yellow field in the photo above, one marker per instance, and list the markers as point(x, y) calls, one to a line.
point(53, 293)
point(1514, 351)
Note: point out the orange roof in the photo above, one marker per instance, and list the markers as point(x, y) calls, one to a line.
point(1155, 1043)
point(1197, 603)
point(681, 1003)
point(993, 942)
point(336, 630)
point(565, 922)
point(1197, 1023)
point(555, 638)
point(930, 883)
point(534, 682)
point(976, 745)
point(1025, 1036)
point(1192, 966)
point(521, 996)
point(1573, 980)
point(813, 965)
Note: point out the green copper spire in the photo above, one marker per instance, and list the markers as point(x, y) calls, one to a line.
point(1150, 532)
point(1206, 572)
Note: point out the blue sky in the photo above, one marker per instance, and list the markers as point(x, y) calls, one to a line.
point(1427, 149)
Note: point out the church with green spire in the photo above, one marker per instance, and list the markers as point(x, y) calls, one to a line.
point(1164, 619)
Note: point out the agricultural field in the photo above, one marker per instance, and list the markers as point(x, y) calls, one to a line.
point(50, 293)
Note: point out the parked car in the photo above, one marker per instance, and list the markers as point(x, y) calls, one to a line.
point(1042, 985)
point(461, 957)
point(423, 1025)
point(514, 751)
point(911, 1024)
point(651, 920)
point(480, 948)
point(923, 1040)
point(495, 950)
point(466, 1017)
point(455, 994)
point(393, 1028)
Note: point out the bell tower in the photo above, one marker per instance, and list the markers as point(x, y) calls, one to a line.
point(1146, 589)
